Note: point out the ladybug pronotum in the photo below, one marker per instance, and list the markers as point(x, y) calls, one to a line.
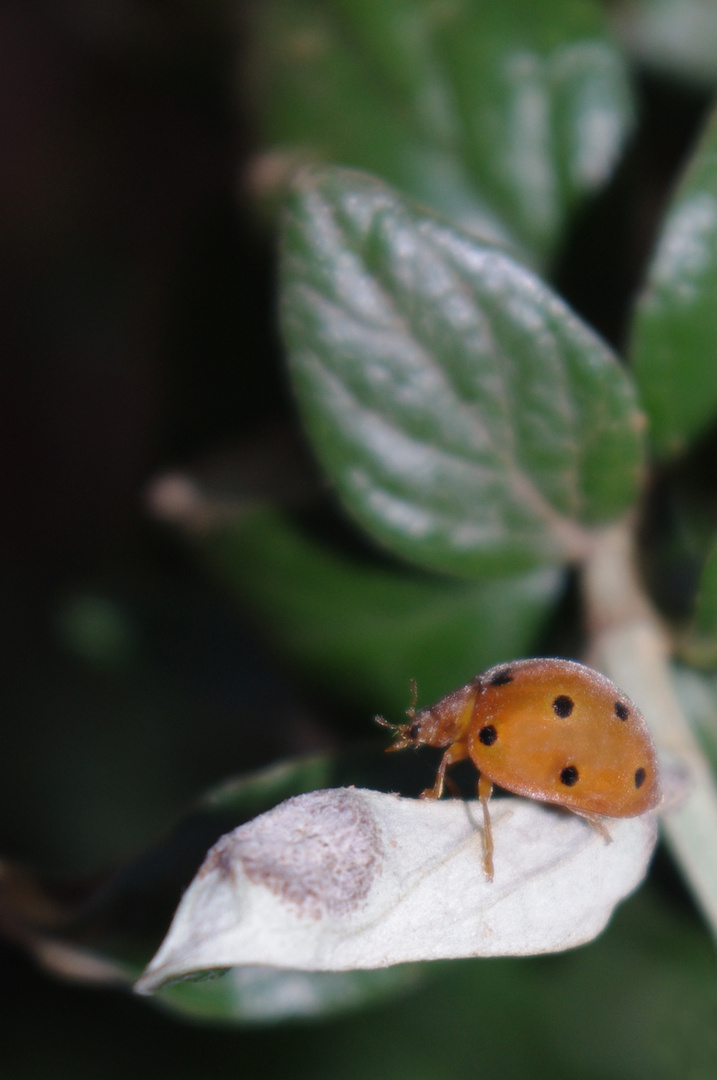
point(550, 729)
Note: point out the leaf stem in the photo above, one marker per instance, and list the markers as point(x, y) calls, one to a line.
point(630, 644)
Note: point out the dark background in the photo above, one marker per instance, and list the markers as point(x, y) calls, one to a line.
point(136, 332)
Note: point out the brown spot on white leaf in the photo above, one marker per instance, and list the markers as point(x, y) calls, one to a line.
point(219, 858)
point(319, 851)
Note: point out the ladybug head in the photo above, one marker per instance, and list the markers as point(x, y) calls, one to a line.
point(404, 734)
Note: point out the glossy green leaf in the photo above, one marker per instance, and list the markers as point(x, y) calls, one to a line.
point(469, 420)
point(365, 630)
point(674, 345)
point(498, 115)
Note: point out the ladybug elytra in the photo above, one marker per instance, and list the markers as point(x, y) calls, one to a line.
point(549, 729)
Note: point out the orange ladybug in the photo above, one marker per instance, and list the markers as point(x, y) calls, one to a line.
point(550, 729)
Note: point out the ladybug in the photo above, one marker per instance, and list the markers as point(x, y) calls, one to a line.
point(550, 729)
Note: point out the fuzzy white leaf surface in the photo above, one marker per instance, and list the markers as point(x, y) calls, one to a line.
point(347, 878)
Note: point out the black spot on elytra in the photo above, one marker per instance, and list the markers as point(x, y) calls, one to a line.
point(563, 706)
point(569, 776)
point(640, 776)
point(501, 677)
point(622, 712)
point(488, 735)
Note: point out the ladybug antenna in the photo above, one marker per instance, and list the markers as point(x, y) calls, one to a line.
point(384, 723)
point(397, 731)
point(411, 710)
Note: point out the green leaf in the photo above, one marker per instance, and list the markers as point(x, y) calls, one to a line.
point(706, 610)
point(265, 995)
point(674, 345)
point(498, 115)
point(699, 645)
point(469, 420)
point(366, 630)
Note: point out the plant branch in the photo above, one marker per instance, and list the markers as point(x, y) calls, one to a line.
point(629, 643)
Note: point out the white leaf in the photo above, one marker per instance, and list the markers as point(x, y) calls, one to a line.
point(347, 878)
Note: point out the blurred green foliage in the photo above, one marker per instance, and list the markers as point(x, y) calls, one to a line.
point(499, 116)
point(674, 348)
point(400, 626)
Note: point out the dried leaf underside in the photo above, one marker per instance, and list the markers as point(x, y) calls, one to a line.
point(348, 879)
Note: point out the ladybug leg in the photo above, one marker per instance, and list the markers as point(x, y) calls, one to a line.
point(456, 752)
point(597, 823)
point(485, 790)
point(452, 786)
